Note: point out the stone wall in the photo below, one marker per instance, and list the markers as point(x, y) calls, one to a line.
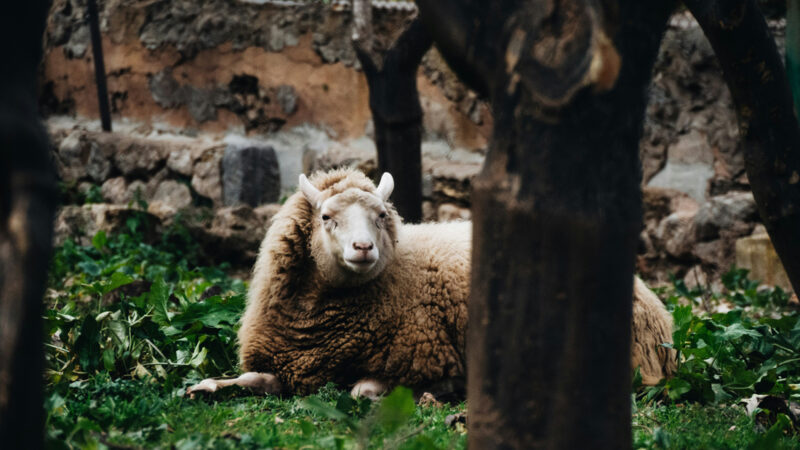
point(227, 66)
point(192, 82)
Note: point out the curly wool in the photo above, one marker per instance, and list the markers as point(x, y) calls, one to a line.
point(405, 327)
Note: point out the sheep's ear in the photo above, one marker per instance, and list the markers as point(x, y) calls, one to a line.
point(311, 193)
point(386, 186)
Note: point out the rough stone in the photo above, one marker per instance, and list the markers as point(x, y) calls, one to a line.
point(723, 212)
point(79, 157)
point(206, 179)
point(181, 161)
point(689, 166)
point(200, 104)
point(695, 277)
point(676, 234)
point(428, 212)
point(115, 190)
point(166, 90)
point(718, 253)
point(137, 190)
point(287, 98)
point(78, 43)
point(250, 175)
point(172, 193)
point(448, 211)
point(234, 234)
point(98, 167)
point(69, 158)
point(757, 254)
point(83, 222)
point(134, 156)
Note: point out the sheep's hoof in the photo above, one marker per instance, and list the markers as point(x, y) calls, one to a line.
point(258, 383)
point(370, 389)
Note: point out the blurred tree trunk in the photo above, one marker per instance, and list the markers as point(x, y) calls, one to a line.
point(556, 212)
point(768, 125)
point(394, 101)
point(27, 203)
point(793, 49)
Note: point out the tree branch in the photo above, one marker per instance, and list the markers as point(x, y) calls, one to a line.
point(412, 45)
point(755, 75)
point(363, 40)
point(456, 38)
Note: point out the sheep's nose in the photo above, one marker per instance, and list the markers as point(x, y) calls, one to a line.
point(364, 246)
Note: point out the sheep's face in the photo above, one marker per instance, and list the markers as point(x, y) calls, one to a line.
point(353, 237)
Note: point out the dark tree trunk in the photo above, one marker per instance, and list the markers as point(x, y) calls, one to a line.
point(27, 202)
point(755, 75)
point(556, 213)
point(397, 115)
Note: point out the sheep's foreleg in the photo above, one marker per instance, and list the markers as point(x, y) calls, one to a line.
point(371, 389)
point(259, 383)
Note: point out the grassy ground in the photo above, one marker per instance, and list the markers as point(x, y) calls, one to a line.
point(135, 414)
point(131, 324)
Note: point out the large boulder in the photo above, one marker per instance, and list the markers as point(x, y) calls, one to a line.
point(250, 175)
point(724, 212)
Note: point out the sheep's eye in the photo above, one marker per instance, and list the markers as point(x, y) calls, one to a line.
point(382, 215)
point(325, 217)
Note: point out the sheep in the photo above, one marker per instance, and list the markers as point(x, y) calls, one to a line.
point(343, 291)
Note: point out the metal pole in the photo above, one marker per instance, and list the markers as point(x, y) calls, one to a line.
point(99, 66)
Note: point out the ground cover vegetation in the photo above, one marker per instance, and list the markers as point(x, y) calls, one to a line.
point(130, 324)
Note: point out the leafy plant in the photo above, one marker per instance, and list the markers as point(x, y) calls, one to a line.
point(130, 309)
point(724, 357)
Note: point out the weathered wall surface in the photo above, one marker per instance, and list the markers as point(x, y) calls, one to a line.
point(287, 78)
point(224, 65)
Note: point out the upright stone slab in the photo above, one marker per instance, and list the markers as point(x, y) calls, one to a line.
point(250, 175)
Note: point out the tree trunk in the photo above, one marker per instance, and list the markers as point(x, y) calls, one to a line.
point(556, 213)
point(397, 115)
point(27, 202)
point(755, 75)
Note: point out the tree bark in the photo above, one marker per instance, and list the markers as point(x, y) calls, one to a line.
point(397, 114)
point(27, 203)
point(556, 213)
point(755, 75)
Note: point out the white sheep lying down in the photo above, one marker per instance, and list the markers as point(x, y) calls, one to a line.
point(343, 291)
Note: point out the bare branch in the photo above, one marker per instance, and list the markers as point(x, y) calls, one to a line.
point(755, 75)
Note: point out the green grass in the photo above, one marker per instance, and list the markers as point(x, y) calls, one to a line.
point(134, 413)
point(130, 324)
point(695, 426)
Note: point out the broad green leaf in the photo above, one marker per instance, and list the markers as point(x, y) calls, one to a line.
point(396, 408)
point(90, 268)
point(118, 279)
point(736, 331)
point(719, 393)
point(677, 387)
point(159, 298)
point(99, 240)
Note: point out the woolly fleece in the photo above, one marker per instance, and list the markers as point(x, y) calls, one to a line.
point(404, 327)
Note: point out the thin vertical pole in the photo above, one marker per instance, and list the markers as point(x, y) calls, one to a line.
point(99, 66)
